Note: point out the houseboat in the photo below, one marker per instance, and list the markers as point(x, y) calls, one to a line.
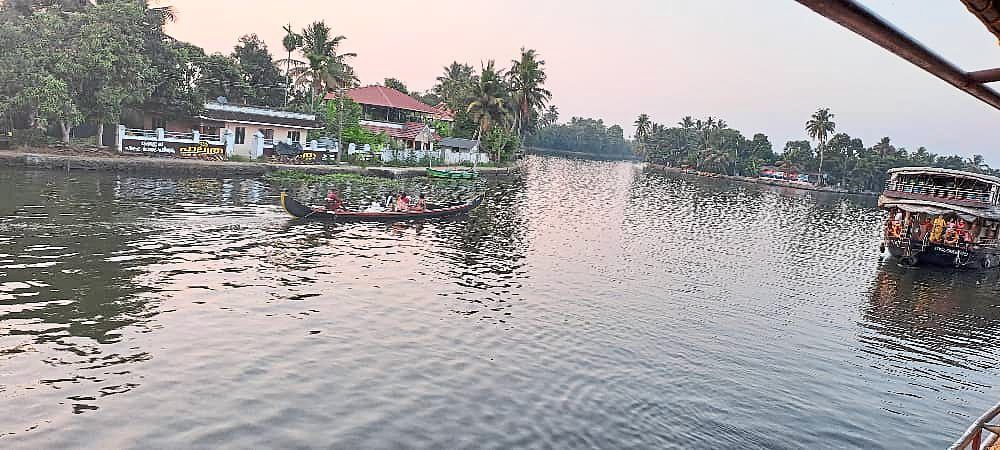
point(942, 217)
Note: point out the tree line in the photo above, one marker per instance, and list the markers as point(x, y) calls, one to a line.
point(92, 62)
point(711, 145)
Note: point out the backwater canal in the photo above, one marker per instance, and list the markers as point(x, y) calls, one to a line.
point(585, 305)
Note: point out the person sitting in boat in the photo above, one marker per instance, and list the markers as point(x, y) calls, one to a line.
point(333, 202)
point(374, 207)
point(938, 230)
point(402, 202)
point(951, 233)
point(964, 232)
point(421, 204)
point(925, 228)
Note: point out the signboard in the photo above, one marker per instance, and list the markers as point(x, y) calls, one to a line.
point(200, 150)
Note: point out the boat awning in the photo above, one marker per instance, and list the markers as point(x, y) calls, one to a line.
point(938, 209)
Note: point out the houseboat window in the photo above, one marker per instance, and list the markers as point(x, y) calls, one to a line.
point(241, 135)
point(294, 136)
point(159, 122)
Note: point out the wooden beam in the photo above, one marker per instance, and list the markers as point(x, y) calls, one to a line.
point(857, 18)
point(985, 76)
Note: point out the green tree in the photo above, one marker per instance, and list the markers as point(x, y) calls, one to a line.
point(527, 78)
point(291, 42)
point(455, 86)
point(488, 106)
point(395, 84)
point(550, 117)
point(325, 69)
point(263, 81)
point(819, 126)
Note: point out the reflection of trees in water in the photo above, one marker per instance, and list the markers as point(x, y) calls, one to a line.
point(67, 301)
point(484, 253)
point(937, 310)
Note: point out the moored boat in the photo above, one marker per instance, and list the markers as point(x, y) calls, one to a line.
point(942, 217)
point(302, 211)
point(452, 174)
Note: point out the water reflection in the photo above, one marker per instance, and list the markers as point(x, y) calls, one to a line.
point(640, 308)
point(938, 316)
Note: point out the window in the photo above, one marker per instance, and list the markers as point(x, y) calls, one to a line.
point(268, 133)
point(294, 136)
point(159, 122)
point(241, 135)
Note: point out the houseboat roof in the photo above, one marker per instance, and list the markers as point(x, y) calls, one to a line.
point(949, 172)
point(938, 208)
point(388, 97)
point(254, 115)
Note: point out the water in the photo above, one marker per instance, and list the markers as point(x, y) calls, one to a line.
point(585, 305)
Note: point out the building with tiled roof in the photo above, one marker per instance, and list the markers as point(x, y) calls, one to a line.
point(386, 110)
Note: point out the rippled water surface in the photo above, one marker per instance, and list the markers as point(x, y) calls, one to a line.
point(585, 305)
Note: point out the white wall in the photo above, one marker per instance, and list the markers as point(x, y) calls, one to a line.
point(280, 134)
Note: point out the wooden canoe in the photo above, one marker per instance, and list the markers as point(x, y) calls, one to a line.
point(452, 174)
point(300, 210)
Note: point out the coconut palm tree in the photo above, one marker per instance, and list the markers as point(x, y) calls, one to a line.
point(325, 69)
point(527, 76)
point(292, 41)
point(455, 84)
point(686, 123)
point(642, 128)
point(977, 164)
point(819, 127)
point(884, 147)
point(550, 117)
point(489, 105)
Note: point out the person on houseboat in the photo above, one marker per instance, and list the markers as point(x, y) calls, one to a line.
point(951, 233)
point(925, 228)
point(333, 202)
point(938, 229)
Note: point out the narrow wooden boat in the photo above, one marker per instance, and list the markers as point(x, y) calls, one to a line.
point(942, 217)
point(300, 210)
point(452, 174)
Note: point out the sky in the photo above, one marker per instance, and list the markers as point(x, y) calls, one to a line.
point(762, 65)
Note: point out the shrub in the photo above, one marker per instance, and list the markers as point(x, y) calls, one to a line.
point(31, 137)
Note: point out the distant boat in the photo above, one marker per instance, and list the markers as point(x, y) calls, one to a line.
point(300, 210)
point(942, 217)
point(452, 174)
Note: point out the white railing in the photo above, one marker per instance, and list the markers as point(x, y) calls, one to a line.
point(138, 132)
point(974, 438)
point(182, 136)
point(942, 192)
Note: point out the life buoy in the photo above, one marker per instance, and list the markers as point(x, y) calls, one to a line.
point(896, 230)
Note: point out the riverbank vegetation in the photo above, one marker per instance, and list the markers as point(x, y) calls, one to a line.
point(711, 145)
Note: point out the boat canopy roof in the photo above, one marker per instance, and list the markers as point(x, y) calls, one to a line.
point(939, 209)
point(946, 172)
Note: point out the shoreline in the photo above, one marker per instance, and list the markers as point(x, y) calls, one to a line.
point(763, 182)
point(144, 164)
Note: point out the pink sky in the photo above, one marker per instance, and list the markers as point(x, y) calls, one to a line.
point(763, 66)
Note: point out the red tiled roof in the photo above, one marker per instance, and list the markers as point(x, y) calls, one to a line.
point(409, 131)
point(386, 96)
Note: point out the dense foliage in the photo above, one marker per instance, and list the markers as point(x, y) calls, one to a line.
point(583, 135)
point(711, 145)
point(93, 61)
